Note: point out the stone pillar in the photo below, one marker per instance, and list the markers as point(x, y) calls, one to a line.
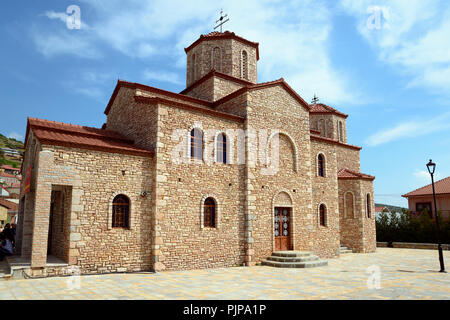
point(250, 208)
point(19, 226)
point(43, 194)
point(40, 226)
point(158, 202)
point(26, 225)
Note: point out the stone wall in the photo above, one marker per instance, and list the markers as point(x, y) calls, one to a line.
point(348, 158)
point(182, 189)
point(351, 228)
point(370, 242)
point(230, 59)
point(213, 88)
point(325, 191)
point(272, 109)
point(95, 178)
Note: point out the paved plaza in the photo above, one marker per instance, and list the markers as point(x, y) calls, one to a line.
point(404, 274)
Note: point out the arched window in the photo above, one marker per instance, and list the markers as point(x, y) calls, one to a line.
point(322, 128)
point(244, 65)
point(321, 165)
point(196, 144)
point(349, 205)
point(323, 215)
point(121, 212)
point(216, 59)
point(221, 148)
point(209, 213)
point(341, 132)
point(193, 68)
point(368, 205)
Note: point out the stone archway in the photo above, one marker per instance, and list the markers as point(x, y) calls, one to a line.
point(283, 237)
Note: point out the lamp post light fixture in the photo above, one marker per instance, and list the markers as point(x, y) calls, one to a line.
point(431, 168)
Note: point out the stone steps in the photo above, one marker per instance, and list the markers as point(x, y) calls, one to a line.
point(293, 259)
point(344, 249)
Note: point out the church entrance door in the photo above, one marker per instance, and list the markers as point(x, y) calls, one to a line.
point(282, 228)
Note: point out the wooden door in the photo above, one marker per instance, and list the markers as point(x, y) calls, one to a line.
point(282, 229)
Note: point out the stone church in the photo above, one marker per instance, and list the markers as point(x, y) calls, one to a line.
point(177, 181)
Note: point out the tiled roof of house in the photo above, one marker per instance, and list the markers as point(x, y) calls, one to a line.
point(6, 167)
point(440, 187)
point(380, 209)
point(223, 35)
point(323, 108)
point(64, 134)
point(349, 174)
point(9, 205)
point(7, 175)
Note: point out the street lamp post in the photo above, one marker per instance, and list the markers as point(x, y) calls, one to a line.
point(431, 167)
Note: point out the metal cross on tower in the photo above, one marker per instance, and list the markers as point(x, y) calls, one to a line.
point(221, 21)
point(315, 99)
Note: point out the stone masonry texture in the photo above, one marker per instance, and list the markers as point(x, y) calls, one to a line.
point(68, 211)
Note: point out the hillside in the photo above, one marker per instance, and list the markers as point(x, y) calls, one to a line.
point(391, 208)
point(10, 143)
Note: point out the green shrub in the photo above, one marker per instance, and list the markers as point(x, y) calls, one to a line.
point(401, 227)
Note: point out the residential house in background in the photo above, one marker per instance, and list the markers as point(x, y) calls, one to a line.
point(10, 170)
point(380, 209)
point(422, 198)
point(4, 192)
point(10, 215)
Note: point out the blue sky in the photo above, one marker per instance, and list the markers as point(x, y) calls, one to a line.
point(393, 78)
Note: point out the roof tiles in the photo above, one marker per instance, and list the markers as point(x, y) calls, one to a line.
point(349, 174)
point(441, 187)
point(64, 134)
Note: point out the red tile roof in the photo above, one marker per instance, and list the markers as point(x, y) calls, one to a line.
point(380, 209)
point(314, 136)
point(321, 108)
point(279, 82)
point(134, 85)
point(181, 105)
point(440, 187)
point(7, 175)
point(69, 135)
point(349, 174)
point(216, 73)
point(9, 205)
point(6, 167)
point(223, 35)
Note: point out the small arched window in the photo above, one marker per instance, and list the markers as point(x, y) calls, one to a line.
point(216, 59)
point(209, 213)
point(341, 132)
point(323, 215)
point(244, 65)
point(121, 212)
point(349, 205)
point(322, 128)
point(368, 205)
point(321, 165)
point(193, 67)
point(221, 148)
point(196, 144)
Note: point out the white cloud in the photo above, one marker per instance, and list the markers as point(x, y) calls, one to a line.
point(412, 38)
point(293, 37)
point(410, 129)
point(63, 17)
point(51, 45)
point(423, 177)
point(164, 76)
point(15, 135)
